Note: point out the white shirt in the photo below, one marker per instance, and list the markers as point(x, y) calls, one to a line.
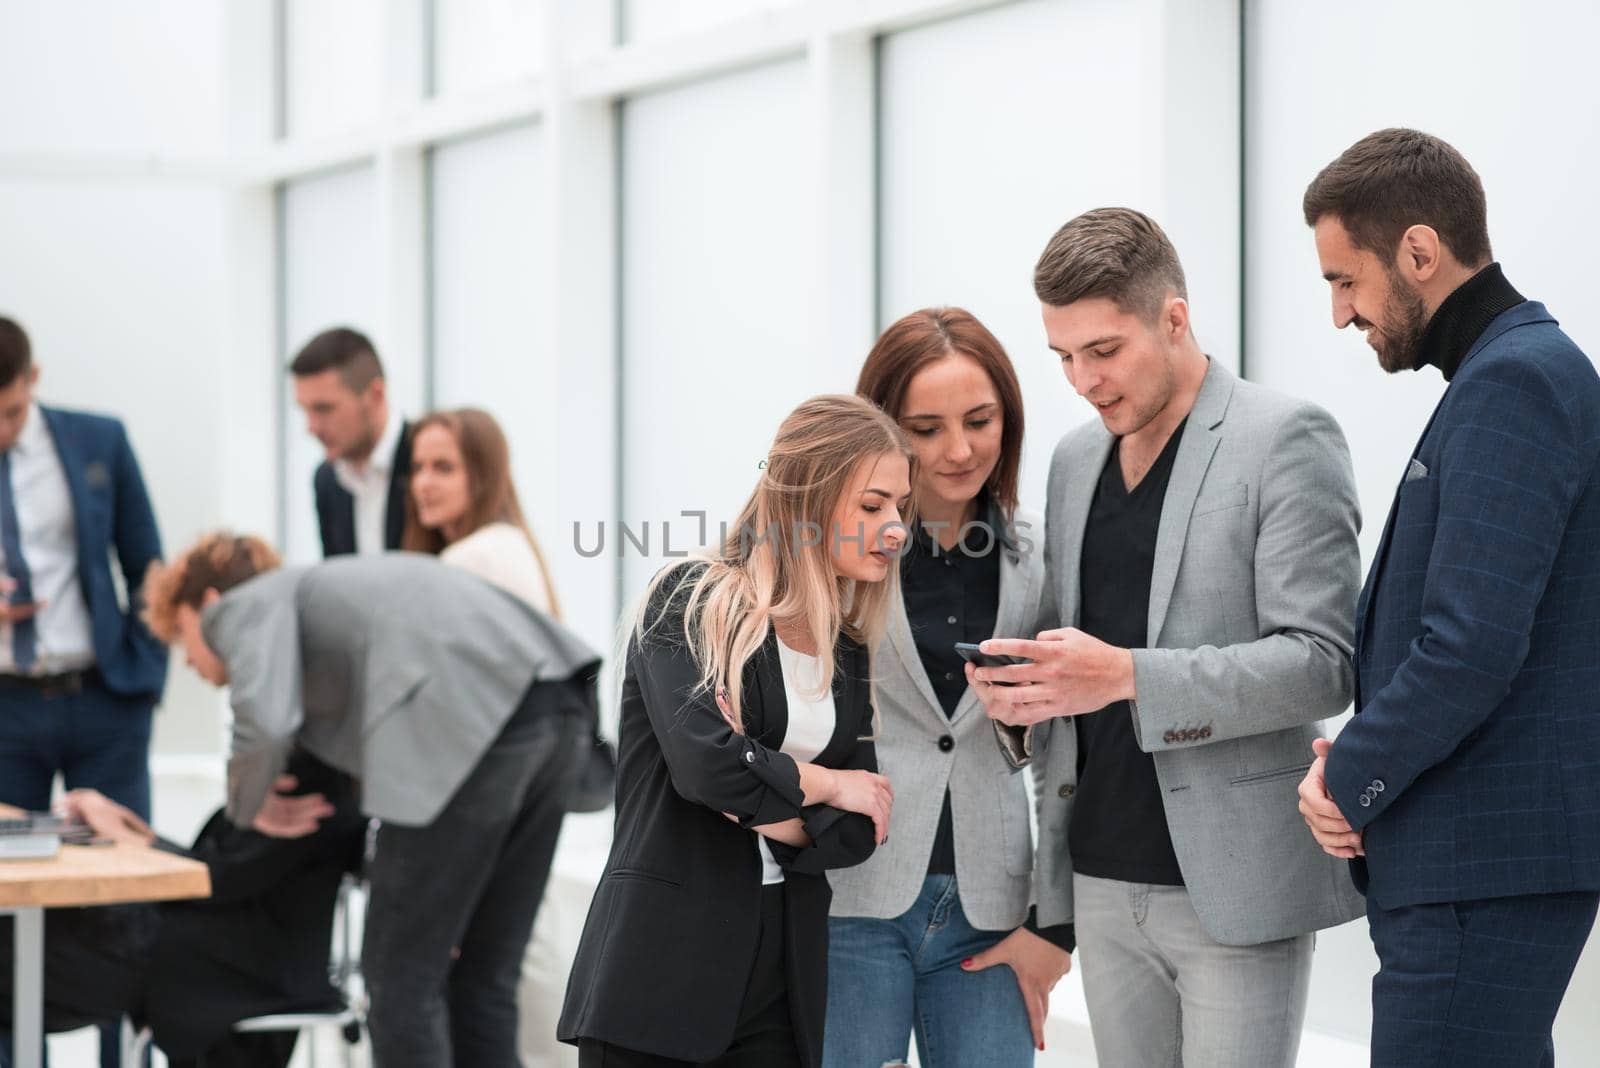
point(369, 485)
point(811, 722)
point(501, 554)
point(49, 530)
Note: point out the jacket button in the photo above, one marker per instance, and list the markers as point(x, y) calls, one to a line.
point(1065, 791)
point(946, 743)
point(749, 756)
point(1168, 737)
point(1377, 786)
point(1205, 732)
point(1365, 800)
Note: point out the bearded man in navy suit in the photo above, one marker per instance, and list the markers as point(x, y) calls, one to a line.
point(1464, 791)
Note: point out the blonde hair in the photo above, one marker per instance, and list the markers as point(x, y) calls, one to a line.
point(775, 565)
point(218, 561)
point(491, 495)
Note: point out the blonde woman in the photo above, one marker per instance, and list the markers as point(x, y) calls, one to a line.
point(746, 763)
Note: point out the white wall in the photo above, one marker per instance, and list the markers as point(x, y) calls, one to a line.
point(716, 225)
point(1516, 96)
point(984, 154)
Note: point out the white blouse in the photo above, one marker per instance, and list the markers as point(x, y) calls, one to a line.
point(811, 723)
point(500, 553)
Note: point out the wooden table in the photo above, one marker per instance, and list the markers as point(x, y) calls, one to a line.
point(79, 875)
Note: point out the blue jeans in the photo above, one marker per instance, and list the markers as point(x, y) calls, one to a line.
point(888, 978)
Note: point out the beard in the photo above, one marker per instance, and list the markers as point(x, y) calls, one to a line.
point(1399, 335)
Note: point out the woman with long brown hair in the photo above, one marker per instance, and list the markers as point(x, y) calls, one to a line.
point(462, 505)
point(920, 932)
point(746, 763)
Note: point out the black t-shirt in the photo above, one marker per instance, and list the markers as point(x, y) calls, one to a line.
point(1119, 826)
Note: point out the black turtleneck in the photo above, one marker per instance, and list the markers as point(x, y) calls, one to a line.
point(1463, 317)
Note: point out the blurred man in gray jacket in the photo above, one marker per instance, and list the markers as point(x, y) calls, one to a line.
point(1201, 550)
point(454, 705)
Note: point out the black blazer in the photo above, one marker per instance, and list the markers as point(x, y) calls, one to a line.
point(672, 930)
point(336, 509)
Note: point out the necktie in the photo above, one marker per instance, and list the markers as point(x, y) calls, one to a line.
point(24, 636)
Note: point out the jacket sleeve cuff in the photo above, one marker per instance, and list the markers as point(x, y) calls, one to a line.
point(1062, 935)
point(782, 798)
point(1154, 727)
point(1361, 797)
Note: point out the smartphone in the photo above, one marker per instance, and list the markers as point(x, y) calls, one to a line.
point(973, 655)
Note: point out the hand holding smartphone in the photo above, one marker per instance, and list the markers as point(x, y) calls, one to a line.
point(978, 658)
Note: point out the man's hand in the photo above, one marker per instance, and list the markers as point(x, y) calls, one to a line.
point(15, 613)
point(104, 816)
point(285, 816)
point(1038, 966)
point(1328, 825)
point(1071, 674)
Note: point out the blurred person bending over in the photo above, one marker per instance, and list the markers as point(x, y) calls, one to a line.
point(454, 706)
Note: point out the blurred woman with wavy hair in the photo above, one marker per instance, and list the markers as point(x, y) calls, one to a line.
point(746, 766)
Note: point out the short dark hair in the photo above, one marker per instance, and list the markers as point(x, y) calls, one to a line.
point(1392, 180)
point(341, 349)
point(1116, 253)
point(16, 355)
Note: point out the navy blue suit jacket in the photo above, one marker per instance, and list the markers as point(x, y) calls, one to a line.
point(336, 509)
point(1473, 763)
point(112, 514)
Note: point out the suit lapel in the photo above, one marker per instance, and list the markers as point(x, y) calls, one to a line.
point(904, 645)
point(1189, 468)
point(394, 519)
point(72, 465)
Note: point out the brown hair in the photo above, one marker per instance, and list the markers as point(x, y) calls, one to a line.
point(218, 561)
point(913, 342)
point(770, 568)
point(1392, 180)
point(1116, 253)
point(491, 495)
point(341, 349)
point(16, 355)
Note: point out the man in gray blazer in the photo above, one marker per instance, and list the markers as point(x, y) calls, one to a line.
point(1201, 549)
point(457, 709)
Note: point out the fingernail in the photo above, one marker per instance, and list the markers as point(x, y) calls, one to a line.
point(1041, 1047)
point(967, 963)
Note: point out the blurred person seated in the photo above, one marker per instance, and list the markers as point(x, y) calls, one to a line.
point(191, 969)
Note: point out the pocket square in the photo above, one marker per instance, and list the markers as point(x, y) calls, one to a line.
point(1416, 470)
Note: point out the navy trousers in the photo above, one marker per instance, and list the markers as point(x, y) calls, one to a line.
point(93, 737)
point(1472, 983)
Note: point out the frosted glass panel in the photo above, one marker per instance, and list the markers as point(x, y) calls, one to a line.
point(646, 19)
point(97, 76)
point(334, 64)
point(987, 148)
point(479, 43)
point(717, 276)
point(330, 279)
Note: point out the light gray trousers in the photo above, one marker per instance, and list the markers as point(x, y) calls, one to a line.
point(1162, 994)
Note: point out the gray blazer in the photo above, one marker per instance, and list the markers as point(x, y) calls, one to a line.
point(988, 798)
point(1252, 603)
point(397, 669)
